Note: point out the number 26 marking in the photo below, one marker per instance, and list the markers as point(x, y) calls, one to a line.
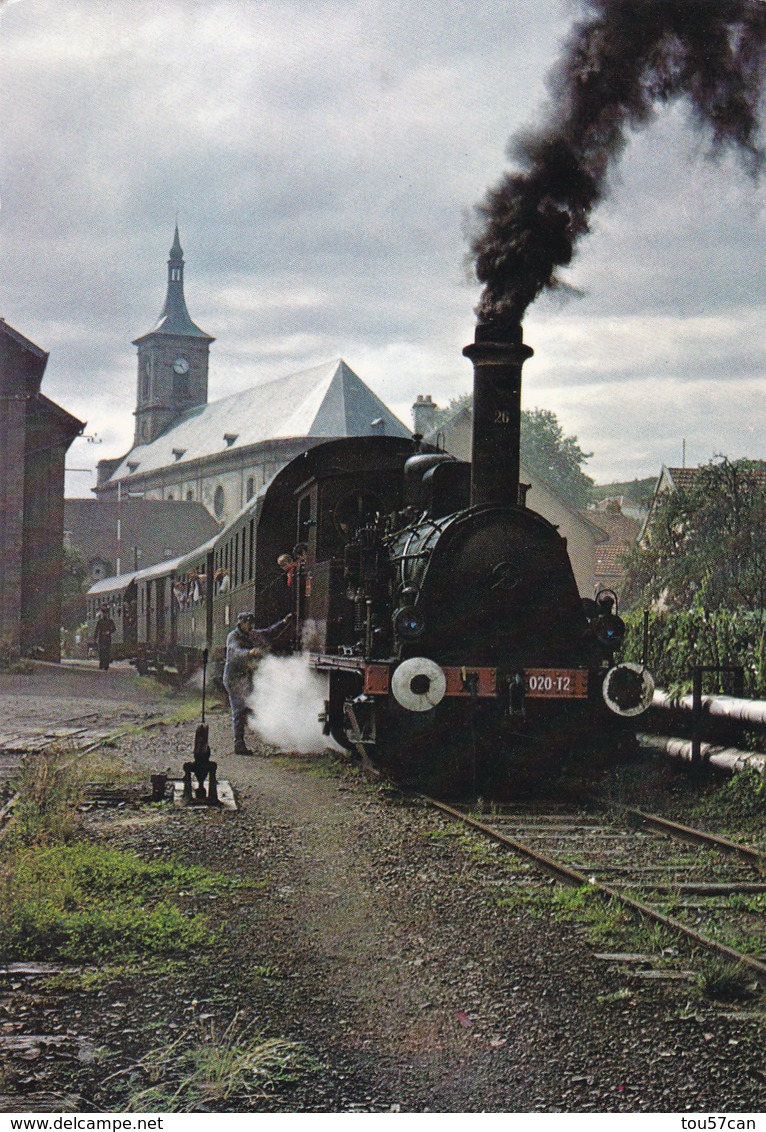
point(502, 417)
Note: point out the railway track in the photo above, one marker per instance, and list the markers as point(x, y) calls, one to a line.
point(76, 733)
point(708, 888)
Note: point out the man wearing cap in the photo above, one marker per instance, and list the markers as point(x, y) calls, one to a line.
point(245, 645)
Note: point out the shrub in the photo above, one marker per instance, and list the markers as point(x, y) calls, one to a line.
point(679, 641)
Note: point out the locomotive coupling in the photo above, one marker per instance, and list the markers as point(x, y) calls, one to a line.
point(516, 694)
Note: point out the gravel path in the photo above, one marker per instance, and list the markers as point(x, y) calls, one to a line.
point(376, 940)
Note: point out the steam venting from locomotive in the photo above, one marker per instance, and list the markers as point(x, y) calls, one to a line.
point(630, 57)
point(286, 701)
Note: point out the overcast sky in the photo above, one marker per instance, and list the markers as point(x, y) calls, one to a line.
point(323, 160)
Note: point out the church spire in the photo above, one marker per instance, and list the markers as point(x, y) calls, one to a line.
point(172, 359)
point(174, 318)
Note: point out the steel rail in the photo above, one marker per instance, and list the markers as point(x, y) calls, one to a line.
point(568, 875)
point(698, 836)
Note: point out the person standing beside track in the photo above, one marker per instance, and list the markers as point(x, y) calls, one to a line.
point(102, 637)
point(245, 645)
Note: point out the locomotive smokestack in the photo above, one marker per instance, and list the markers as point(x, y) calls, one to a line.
point(497, 354)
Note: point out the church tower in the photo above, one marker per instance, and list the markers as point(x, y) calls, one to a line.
point(172, 360)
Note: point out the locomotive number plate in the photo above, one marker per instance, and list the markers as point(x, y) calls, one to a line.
point(556, 683)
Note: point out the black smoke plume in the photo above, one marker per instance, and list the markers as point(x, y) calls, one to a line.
point(618, 67)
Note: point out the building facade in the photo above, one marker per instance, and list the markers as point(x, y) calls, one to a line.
point(35, 435)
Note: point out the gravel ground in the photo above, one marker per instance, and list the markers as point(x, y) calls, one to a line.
point(376, 941)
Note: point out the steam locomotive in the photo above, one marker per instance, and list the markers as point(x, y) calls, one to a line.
point(443, 613)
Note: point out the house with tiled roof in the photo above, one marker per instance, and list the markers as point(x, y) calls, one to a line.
point(114, 536)
point(220, 453)
point(621, 531)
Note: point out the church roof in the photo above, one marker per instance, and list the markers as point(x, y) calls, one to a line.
point(326, 401)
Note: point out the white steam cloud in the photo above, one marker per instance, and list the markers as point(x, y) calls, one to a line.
point(285, 704)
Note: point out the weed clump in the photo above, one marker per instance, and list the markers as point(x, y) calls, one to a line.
point(11, 661)
point(737, 807)
point(726, 982)
point(49, 788)
point(203, 1070)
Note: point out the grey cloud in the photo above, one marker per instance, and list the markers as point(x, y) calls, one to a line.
point(322, 160)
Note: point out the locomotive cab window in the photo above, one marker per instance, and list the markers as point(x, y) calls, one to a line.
point(354, 510)
point(344, 508)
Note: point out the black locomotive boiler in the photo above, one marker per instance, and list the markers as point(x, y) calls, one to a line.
point(443, 613)
point(476, 665)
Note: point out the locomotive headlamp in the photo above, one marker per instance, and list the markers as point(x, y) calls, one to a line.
point(609, 629)
point(408, 622)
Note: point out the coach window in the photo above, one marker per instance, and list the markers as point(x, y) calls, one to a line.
point(306, 524)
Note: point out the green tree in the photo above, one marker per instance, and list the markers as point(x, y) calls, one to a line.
point(705, 546)
point(545, 450)
point(554, 457)
point(74, 582)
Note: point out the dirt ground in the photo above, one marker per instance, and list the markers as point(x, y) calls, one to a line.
point(372, 939)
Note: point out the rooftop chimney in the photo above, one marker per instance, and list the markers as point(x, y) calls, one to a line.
point(497, 354)
point(424, 414)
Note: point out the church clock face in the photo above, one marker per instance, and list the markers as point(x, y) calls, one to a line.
point(180, 365)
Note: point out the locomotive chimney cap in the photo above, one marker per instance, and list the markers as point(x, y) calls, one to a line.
point(501, 330)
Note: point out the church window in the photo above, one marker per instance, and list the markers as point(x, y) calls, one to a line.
point(181, 386)
point(250, 488)
point(190, 496)
point(219, 502)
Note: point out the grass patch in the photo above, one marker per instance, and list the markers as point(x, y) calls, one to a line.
point(474, 845)
point(737, 807)
point(327, 765)
point(532, 903)
point(84, 902)
point(204, 1070)
point(623, 994)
